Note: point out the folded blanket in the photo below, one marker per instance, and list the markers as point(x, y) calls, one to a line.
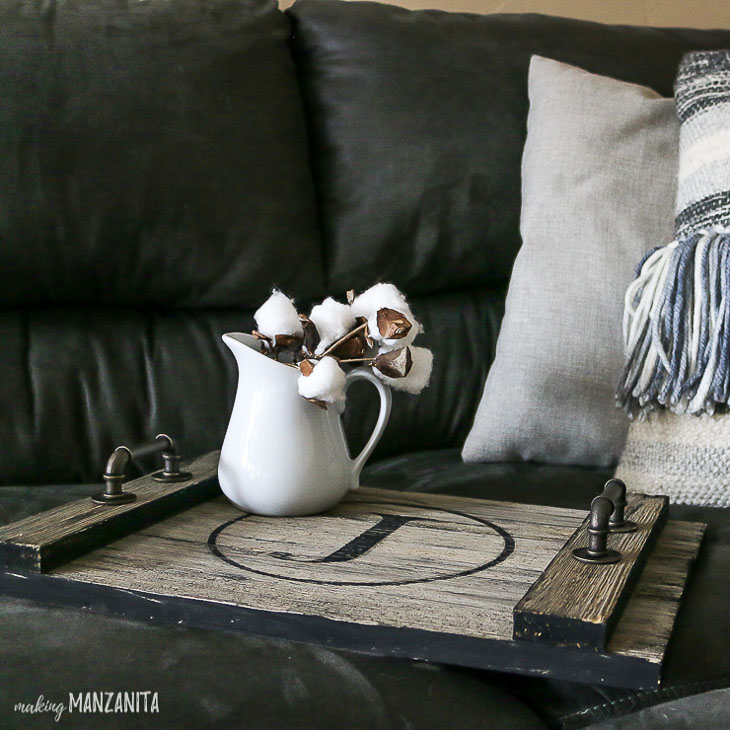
point(677, 311)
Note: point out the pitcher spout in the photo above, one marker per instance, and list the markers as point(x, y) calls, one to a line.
point(240, 342)
point(252, 360)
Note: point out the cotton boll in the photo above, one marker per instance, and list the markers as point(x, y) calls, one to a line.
point(277, 316)
point(326, 382)
point(333, 320)
point(385, 296)
point(377, 297)
point(419, 375)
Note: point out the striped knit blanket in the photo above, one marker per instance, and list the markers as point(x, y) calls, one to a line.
point(702, 95)
point(677, 311)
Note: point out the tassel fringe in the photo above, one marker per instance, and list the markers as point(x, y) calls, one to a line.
point(676, 328)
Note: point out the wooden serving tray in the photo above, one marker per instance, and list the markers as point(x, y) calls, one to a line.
point(471, 582)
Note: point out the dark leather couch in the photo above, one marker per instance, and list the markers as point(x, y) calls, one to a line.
point(162, 165)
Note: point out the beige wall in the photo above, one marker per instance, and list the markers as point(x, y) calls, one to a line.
point(679, 13)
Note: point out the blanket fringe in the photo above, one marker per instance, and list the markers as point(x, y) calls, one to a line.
point(675, 328)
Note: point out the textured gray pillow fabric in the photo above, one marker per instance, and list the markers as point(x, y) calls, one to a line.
point(598, 186)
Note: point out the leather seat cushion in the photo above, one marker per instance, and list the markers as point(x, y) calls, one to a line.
point(209, 679)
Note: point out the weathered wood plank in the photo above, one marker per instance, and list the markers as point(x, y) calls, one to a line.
point(647, 622)
point(578, 604)
point(51, 538)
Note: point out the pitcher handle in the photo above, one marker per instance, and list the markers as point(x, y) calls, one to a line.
point(385, 402)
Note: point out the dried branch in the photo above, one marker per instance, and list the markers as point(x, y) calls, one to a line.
point(318, 402)
point(342, 339)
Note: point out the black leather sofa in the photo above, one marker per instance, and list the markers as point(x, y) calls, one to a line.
point(162, 165)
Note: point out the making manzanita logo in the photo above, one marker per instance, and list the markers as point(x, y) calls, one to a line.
point(41, 706)
point(94, 703)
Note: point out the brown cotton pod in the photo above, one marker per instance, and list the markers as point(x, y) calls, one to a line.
point(306, 366)
point(311, 334)
point(286, 341)
point(394, 364)
point(349, 349)
point(318, 402)
point(393, 325)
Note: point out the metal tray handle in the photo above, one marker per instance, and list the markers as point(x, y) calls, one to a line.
point(116, 468)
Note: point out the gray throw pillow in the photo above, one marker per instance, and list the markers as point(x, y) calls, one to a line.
point(598, 186)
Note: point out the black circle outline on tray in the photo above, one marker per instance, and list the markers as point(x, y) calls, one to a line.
point(507, 550)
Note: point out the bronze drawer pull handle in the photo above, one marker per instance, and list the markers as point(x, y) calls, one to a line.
point(116, 468)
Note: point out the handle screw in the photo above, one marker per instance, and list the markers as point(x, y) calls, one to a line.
point(171, 469)
point(598, 551)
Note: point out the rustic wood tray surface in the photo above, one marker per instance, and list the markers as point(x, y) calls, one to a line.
point(430, 577)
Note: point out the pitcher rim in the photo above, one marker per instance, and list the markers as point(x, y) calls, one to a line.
point(249, 341)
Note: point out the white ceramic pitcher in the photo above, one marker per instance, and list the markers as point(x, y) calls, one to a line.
point(283, 455)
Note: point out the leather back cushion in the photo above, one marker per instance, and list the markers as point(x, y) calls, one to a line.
point(418, 120)
point(78, 381)
point(152, 152)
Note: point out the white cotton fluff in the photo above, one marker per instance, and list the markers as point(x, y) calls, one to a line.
point(326, 382)
point(277, 316)
point(385, 296)
point(419, 375)
point(333, 320)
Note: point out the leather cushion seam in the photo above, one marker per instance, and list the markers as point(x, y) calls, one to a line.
point(670, 693)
